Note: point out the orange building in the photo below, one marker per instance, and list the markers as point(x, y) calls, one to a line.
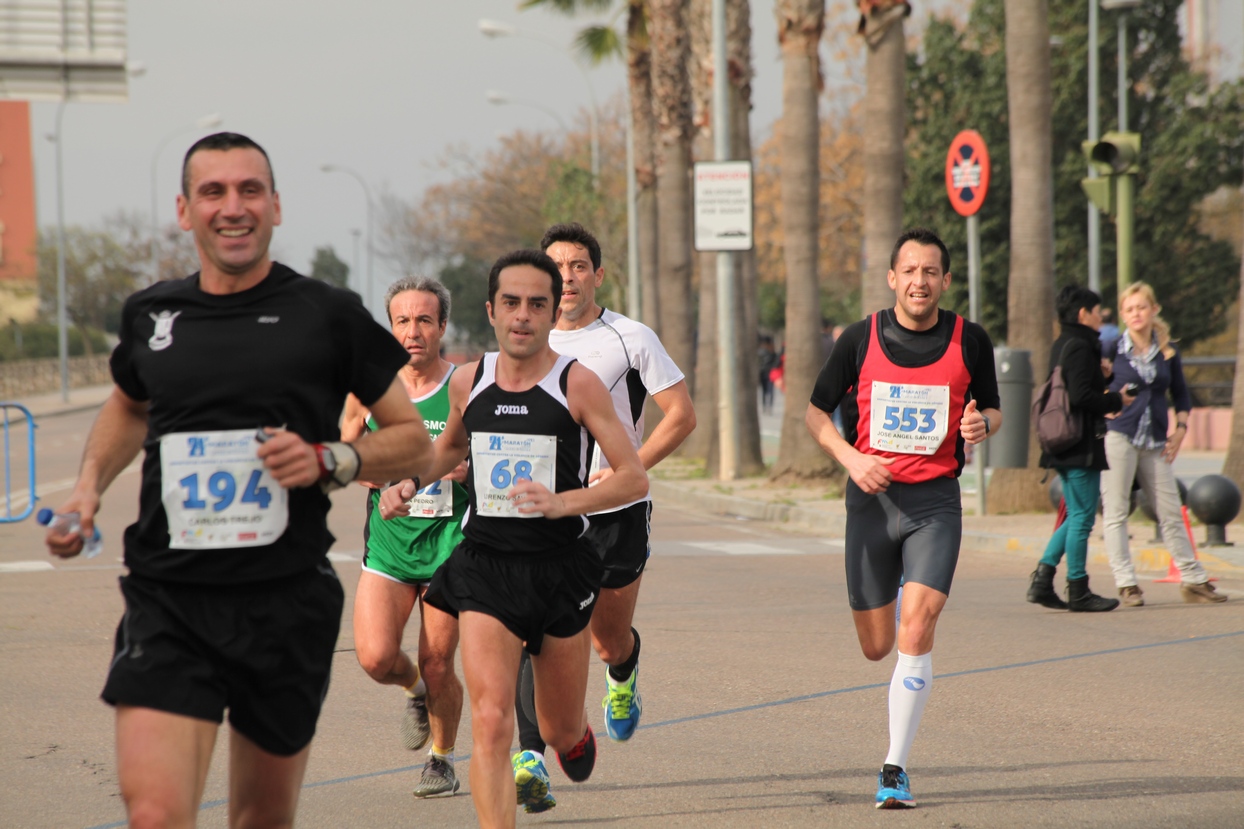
point(18, 264)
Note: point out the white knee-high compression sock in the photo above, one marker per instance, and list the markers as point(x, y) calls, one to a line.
point(909, 691)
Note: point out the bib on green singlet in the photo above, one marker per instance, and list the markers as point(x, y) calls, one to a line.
point(217, 493)
point(908, 418)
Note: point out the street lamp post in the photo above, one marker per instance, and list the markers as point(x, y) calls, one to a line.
point(501, 98)
point(356, 233)
point(337, 168)
point(62, 335)
point(495, 28)
point(1094, 133)
point(207, 122)
point(1125, 189)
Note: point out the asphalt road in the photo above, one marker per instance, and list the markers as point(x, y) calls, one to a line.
point(758, 708)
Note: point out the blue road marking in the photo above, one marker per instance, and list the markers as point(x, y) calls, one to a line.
point(774, 704)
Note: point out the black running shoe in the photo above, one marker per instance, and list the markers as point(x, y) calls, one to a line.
point(580, 760)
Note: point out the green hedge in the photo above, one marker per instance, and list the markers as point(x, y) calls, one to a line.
point(38, 339)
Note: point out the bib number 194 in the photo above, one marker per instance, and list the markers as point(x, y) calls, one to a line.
point(223, 488)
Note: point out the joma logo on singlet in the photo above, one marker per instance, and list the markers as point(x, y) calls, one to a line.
point(520, 410)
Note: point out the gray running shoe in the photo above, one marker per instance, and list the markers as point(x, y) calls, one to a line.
point(438, 779)
point(415, 727)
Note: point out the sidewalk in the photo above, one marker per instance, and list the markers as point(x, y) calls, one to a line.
point(51, 404)
point(819, 510)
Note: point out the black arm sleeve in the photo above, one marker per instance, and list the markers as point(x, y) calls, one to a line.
point(984, 386)
point(842, 370)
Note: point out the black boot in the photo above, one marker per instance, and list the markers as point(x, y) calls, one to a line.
point(1041, 589)
point(1081, 599)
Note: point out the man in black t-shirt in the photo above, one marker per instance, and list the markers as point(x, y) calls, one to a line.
point(231, 380)
point(915, 384)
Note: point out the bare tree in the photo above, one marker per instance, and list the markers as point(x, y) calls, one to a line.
point(1030, 286)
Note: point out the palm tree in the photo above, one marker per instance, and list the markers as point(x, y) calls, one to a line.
point(1030, 286)
point(884, 117)
point(598, 43)
point(800, 24)
point(671, 94)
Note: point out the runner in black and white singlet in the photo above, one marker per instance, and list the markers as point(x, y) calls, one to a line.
point(231, 381)
point(525, 577)
point(630, 360)
point(915, 384)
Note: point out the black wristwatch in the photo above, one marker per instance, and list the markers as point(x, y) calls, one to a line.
point(988, 426)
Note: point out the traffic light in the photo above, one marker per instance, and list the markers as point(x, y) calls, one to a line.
point(1118, 152)
point(1116, 160)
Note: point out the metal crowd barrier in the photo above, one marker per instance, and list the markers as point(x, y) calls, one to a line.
point(7, 411)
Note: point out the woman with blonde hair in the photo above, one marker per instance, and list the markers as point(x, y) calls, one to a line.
point(1140, 445)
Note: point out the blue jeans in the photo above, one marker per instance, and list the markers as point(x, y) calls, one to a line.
point(1081, 488)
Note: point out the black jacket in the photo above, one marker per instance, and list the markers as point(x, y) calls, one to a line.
point(1086, 388)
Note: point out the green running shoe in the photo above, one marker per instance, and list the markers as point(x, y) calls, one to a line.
point(531, 780)
point(622, 706)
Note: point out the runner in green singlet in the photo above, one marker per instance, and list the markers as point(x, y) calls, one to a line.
point(401, 555)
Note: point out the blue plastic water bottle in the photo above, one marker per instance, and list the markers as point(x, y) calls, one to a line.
point(71, 522)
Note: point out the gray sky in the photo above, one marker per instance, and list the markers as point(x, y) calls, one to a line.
point(382, 87)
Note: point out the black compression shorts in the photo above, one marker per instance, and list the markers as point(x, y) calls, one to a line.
point(911, 529)
point(262, 650)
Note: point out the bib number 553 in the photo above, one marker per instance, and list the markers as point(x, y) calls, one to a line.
point(909, 419)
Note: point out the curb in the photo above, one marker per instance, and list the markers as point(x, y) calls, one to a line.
point(833, 525)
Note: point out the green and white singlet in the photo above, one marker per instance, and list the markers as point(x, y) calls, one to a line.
point(409, 550)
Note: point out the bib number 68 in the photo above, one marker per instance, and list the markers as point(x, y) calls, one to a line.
point(501, 476)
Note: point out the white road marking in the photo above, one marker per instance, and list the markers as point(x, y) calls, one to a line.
point(742, 548)
point(25, 566)
point(345, 556)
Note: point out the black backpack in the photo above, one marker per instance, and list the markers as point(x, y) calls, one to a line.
point(1058, 427)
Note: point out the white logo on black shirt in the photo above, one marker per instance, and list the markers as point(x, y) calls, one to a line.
point(269, 319)
point(163, 336)
point(511, 410)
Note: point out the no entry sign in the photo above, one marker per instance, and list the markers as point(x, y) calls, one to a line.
point(967, 172)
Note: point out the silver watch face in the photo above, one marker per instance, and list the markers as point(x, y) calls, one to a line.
point(328, 459)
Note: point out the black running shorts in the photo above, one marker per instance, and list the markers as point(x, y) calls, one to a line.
point(621, 539)
point(264, 651)
point(532, 595)
point(911, 529)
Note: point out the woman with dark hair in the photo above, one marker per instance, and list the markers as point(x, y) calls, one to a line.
point(1078, 351)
